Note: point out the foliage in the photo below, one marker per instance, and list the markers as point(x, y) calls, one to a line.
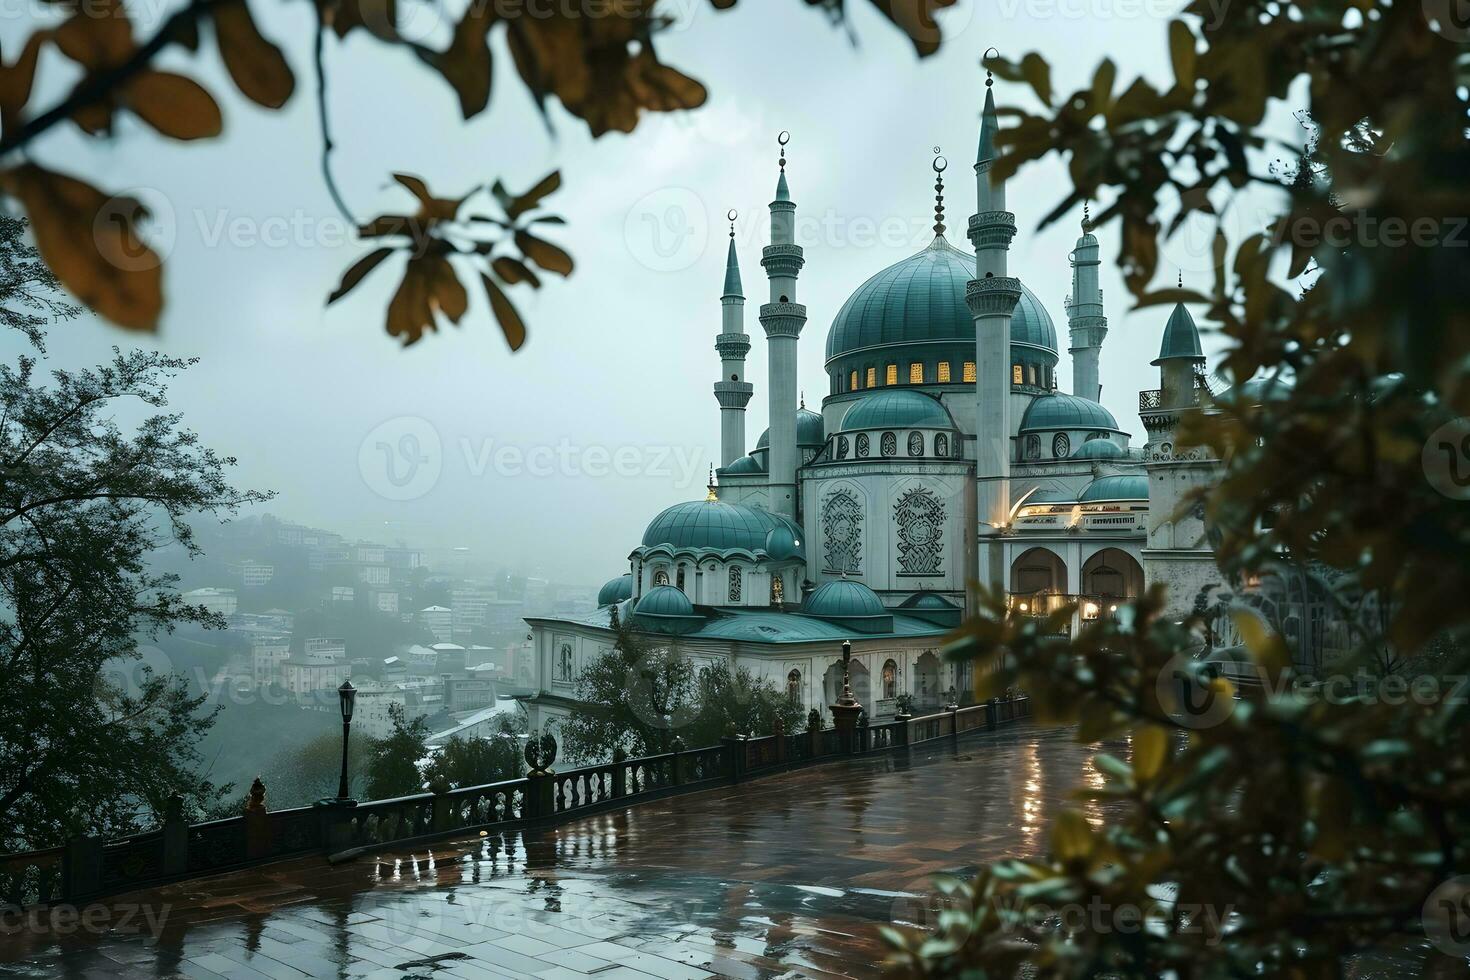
point(30, 296)
point(93, 739)
point(1287, 834)
point(301, 775)
point(481, 759)
point(394, 762)
point(642, 693)
point(599, 61)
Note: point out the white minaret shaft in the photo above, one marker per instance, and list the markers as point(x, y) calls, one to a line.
point(782, 318)
point(1085, 321)
point(992, 296)
point(732, 391)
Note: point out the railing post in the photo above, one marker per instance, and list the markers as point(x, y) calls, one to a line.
point(735, 752)
point(813, 733)
point(175, 837)
point(257, 823)
point(619, 773)
point(540, 780)
point(678, 764)
point(903, 728)
point(336, 824)
point(954, 722)
point(439, 817)
point(780, 730)
point(81, 868)
point(991, 707)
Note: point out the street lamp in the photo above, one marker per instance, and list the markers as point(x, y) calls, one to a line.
point(347, 694)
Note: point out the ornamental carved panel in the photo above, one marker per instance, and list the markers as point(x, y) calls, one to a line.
point(842, 533)
point(916, 444)
point(919, 518)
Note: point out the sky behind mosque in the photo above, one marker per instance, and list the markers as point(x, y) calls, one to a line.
point(555, 458)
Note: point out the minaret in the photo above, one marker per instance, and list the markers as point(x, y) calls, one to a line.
point(782, 319)
point(732, 391)
point(992, 296)
point(1085, 320)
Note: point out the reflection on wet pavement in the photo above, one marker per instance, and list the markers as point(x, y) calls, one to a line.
point(783, 876)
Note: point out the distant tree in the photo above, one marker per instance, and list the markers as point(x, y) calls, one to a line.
point(394, 763)
point(30, 295)
point(481, 759)
point(301, 775)
point(735, 700)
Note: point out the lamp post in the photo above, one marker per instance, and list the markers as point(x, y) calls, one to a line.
point(845, 712)
point(347, 694)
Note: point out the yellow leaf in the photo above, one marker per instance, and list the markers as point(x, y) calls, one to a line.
point(1265, 645)
point(548, 256)
point(256, 66)
point(505, 314)
point(1071, 838)
point(89, 241)
point(174, 105)
point(1150, 749)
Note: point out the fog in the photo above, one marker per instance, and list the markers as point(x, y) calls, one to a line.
point(553, 459)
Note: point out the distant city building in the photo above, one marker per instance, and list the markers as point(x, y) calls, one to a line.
point(438, 620)
point(372, 574)
point(384, 600)
point(267, 653)
point(403, 559)
point(343, 593)
point(222, 601)
point(471, 608)
point(325, 648)
point(469, 693)
point(371, 554)
point(253, 574)
point(372, 715)
point(305, 679)
point(449, 658)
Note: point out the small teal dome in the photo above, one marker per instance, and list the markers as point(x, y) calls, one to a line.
point(843, 599)
point(927, 600)
point(810, 432)
point(897, 409)
point(1131, 487)
point(665, 609)
point(616, 590)
point(713, 525)
point(744, 465)
point(1100, 449)
point(782, 544)
point(922, 300)
point(1060, 410)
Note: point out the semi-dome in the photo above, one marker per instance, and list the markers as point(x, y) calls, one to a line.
point(713, 525)
point(897, 409)
point(1059, 410)
point(922, 299)
point(1100, 449)
point(744, 465)
point(783, 544)
point(666, 609)
point(810, 431)
point(849, 604)
point(1130, 487)
point(616, 590)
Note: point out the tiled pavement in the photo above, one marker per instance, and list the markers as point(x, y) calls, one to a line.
point(778, 877)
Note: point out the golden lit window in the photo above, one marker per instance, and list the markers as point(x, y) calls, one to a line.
point(969, 372)
point(1015, 374)
point(944, 372)
point(916, 374)
point(854, 384)
point(890, 376)
point(872, 377)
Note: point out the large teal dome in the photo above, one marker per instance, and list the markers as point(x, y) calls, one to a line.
point(616, 590)
point(712, 525)
point(897, 409)
point(1130, 487)
point(922, 300)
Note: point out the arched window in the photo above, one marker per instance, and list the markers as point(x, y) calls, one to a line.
point(778, 590)
point(854, 384)
point(661, 576)
point(890, 680)
point(1033, 447)
point(793, 686)
point(889, 444)
point(564, 664)
point(862, 445)
point(916, 444)
point(944, 372)
point(941, 445)
point(890, 375)
point(842, 447)
point(1016, 377)
point(734, 583)
point(1032, 370)
point(680, 579)
point(872, 378)
point(1061, 446)
point(916, 374)
point(969, 376)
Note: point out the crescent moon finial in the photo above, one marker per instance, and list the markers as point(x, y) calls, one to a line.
point(984, 58)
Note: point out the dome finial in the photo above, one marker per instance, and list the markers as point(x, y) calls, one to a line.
point(989, 79)
point(940, 165)
point(803, 398)
point(1181, 279)
point(712, 496)
point(732, 214)
point(783, 139)
point(1086, 216)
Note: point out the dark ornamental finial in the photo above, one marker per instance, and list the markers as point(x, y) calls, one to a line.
point(940, 165)
point(732, 214)
point(1086, 216)
point(989, 79)
point(783, 139)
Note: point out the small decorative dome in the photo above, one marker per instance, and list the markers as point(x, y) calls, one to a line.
point(713, 525)
point(897, 409)
point(933, 608)
point(666, 609)
point(1100, 449)
point(810, 431)
point(1131, 487)
point(743, 465)
point(843, 599)
point(1059, 410)
point(782, 544)
point(616, 590)
point(1181, 337)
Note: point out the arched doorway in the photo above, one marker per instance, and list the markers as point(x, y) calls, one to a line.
point(1038, 570)
point(927, 693)
point(1111, 576)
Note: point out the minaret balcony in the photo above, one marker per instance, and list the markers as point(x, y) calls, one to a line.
point(993, 296)
point(782, 260)
point(784, 319)
point(733, 394)
point(992, 229)
point(733, 346)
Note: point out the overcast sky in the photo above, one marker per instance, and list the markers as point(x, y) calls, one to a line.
point(620, 359)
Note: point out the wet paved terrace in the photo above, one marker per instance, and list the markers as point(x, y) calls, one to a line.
point(785, 876)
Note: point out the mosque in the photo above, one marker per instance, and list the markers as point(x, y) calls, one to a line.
point(943, 453)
